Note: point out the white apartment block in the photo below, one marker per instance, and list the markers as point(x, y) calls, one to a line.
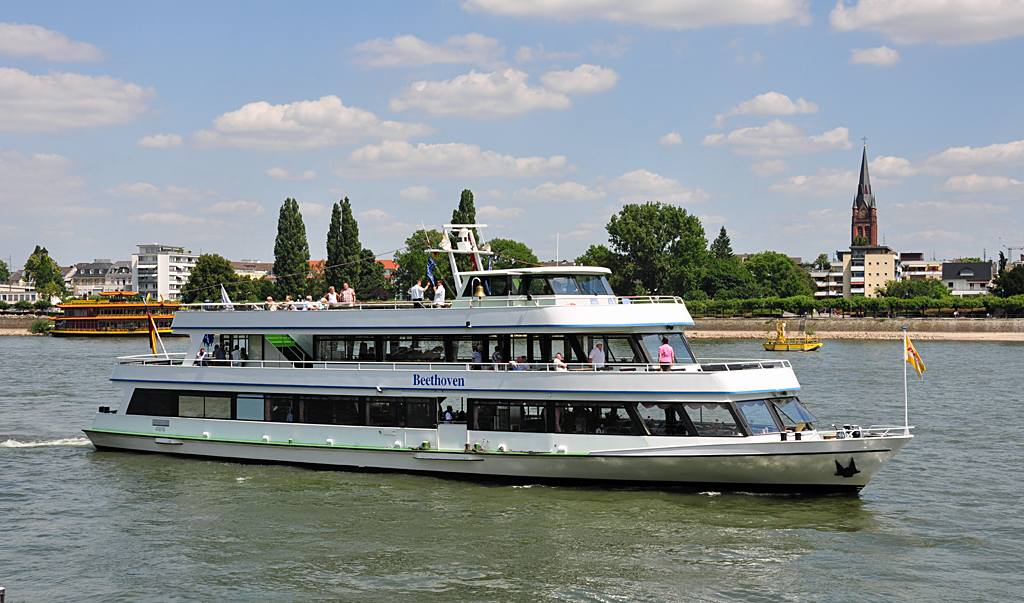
point(161, 270)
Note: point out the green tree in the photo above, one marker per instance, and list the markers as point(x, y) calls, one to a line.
point(822, 262)
point(351, 249)
point(779, 275)
point(372, 282)
point(211, 271)
point(918, 287)
point(465, 214)
point(1009, 283)
point(508, 251)
point(859, 241)
point(333, 274)
point(412, 263)
point(721, 248)
point(599, 255)
point(291, 251)
point(42, 269)
point(5, 272)
point(661, 248)
point(726, 278)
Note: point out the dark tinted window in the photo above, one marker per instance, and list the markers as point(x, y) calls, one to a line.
point(155, 402)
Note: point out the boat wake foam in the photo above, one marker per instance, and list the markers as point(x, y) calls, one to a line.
point(47, 443)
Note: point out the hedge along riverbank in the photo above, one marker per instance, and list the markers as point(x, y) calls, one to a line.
point(1009, 307)
point(862, 325)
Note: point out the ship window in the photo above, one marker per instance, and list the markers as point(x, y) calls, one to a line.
point(415, 349)
point(382, 411)
point(199, 406)
point(280, 408)
point(663, 419)
point(594, 285)
point(508, 415)
point(617, 350)
point(535, 285)
point(793, 413)
point(758, 417)
point(676, 340)
point(249, 407)
point(421, 414)
point(344, 348)
point(153, 402)
point(608, 418)
point(330, 410)
point(564, 285)
point(495, 286)
point(190, 406)
point(712, 419)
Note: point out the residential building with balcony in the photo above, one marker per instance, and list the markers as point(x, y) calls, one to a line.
point(915, 267)
point(161, 270)
point(253, 269)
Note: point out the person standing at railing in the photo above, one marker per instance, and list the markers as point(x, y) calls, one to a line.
point(666, 355)
point(332, 297)
point(416, 294)
point(597, 356)
point(559, 365)
point(271, 305)
point(348, 295)
point(201, 357)
point(439, 294)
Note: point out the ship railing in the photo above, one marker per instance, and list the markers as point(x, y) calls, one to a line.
point(429, 366)
point(168, 359)
point(728, 364)
point(476, 302)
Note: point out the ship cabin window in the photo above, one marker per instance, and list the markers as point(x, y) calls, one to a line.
point(534, 286)
point(665, 419)
point(496, 286)
point(617, 349)
point(793, 414)
point(605, 418)
point(758, 417)
point(508, 415)
point(250, 407)
point(679, 344)
point(564, 285)
point(712, 419)
point(410, 348)
point(340, 348)
point(591, 284)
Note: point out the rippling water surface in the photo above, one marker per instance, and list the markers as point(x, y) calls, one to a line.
point(942, 522)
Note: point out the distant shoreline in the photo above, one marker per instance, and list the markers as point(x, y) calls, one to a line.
point(925, 329)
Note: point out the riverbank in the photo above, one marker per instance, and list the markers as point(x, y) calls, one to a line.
point(926, 329)
point(16, 326)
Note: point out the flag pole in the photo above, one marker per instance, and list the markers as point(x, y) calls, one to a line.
point(906, 405)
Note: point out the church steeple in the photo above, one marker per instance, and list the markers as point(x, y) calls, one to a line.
point(865, 220)
point(864, 196)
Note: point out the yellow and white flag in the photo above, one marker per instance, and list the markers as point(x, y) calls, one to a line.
point(910, 355)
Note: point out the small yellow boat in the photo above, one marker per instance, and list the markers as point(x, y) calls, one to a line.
point(780, 342)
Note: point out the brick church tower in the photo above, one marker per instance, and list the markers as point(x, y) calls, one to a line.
point(865, 219)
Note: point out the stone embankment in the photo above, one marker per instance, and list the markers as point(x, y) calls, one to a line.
point(964, 329)
point(16, 325)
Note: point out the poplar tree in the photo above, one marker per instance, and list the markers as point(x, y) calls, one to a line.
point(465, 214)
point(335, 257)
point(291, 251)
point(350, 247)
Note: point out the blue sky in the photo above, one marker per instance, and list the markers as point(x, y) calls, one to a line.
point(188, 124)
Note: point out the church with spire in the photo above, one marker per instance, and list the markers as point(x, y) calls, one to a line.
point(865, 215)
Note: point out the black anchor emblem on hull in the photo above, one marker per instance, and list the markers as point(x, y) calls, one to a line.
point(847, 471)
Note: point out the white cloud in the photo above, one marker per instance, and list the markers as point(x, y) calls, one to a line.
point(653, 13)
point(38, 183)
point(826, 183)
point(883, 55)
point(970, 158)
point(379, 220)
point(585, 79)
point(409, 50)
point(173, 197)
point(397, 158)
point(779, 138)
point(614, 50)
point(769, 167)
point(566, 191)
point(945, 22)
point(640, 186)
point(59, 101)
point(527, 54)
point(769, 103)
point(672, 139)
point(314, 209)
point(281, 173)
point(493, 212)
point(303, 125)
point(418, 193)
point(975, 183)
point(891, 167)
point(480, 95)
point(22, 40)
point(160, 141)
point(168, 219)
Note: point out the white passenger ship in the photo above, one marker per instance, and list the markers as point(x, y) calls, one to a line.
point(367, 386)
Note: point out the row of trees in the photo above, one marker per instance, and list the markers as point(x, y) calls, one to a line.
point(863, 306)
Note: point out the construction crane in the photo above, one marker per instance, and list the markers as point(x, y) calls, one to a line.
point(1009, 250)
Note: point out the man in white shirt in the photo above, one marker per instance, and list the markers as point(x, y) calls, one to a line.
point(597, 356)
point(416, 294)
point(439, 294)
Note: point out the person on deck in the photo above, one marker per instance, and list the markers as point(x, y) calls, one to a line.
point(439, 294)
point(559, 365)
point(332, 297)
point(416, 294)
point(666, 355)
point(597, 356)
point(348, 295)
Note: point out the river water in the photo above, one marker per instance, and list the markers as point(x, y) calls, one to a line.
point(942, 522)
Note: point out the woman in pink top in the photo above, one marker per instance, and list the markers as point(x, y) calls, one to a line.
point(666, 355)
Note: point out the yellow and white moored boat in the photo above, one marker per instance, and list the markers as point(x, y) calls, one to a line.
point(780, 342)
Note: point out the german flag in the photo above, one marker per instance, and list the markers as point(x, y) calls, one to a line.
point(152, 333)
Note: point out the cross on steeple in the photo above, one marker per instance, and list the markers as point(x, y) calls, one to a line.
point(865, 139)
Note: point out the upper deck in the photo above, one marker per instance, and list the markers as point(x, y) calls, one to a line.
point(510, 314)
